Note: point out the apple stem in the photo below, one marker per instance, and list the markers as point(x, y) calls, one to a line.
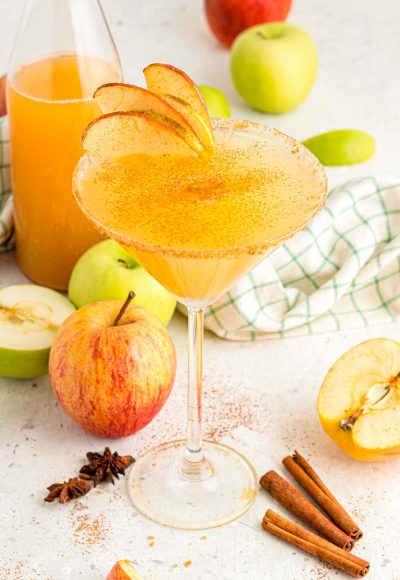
point(263, 35)
point(124, 262)
point(125, 305)
point(348, 424)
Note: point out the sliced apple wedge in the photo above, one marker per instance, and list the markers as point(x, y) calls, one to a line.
point(359, 401)
point(123, 570)
point(114, 97)
point(170, 82)
point(121, 134)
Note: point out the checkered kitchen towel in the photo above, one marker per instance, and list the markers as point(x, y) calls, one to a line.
point(6, 228)
point(342, 272)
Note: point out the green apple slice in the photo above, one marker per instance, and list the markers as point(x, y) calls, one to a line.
point(29, 318)
point(342, 147)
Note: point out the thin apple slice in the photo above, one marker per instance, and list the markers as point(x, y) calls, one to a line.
point(168, 81)
point(114, 97)
point(118, 135)
point(197, 122)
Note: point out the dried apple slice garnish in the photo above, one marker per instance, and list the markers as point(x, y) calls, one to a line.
point(178, 89)
point(200, 128)
point(121, 134)
point(113, 97)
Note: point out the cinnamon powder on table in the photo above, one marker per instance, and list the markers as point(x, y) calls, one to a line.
point(226, 410)
point(87, 530)
point(90, 532)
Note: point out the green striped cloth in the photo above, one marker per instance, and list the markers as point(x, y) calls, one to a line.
point(341, 272)
point(6, 228)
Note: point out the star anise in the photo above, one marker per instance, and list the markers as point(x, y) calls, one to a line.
point(105, 466)
point(71, 489)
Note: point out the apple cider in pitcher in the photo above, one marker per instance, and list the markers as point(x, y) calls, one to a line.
point(62, 52)
point(50, 102)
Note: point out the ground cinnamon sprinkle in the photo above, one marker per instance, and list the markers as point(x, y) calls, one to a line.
point(225, 409)
point(78, 506)
point(225, 412)
point(18, 571)
point(89, 532)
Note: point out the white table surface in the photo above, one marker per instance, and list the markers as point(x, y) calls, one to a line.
point(260, 397)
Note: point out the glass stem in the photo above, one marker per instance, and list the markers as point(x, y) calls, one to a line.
point(194, 465)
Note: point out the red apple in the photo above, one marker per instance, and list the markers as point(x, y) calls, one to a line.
point(3, 105)
point(227, 18)
point(123, 570)
point(112, 379)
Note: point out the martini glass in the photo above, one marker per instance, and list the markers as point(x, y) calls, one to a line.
point(197, 225)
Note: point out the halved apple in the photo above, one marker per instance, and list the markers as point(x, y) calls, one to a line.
point(121, 134)
point(114, 97)
point(29, 319)
point(123, 570)
point(359, 401)
point(173, 84)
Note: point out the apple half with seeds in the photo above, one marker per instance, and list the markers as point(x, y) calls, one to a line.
point(359, 401)
point(178, 89)
point(29, 319)
point(121, 134)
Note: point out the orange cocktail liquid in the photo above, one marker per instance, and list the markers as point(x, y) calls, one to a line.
point(49, 105)
point(198, 224)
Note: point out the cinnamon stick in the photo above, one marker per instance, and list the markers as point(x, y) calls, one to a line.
point(314, 545)
point(305, 475)
point(295, 502)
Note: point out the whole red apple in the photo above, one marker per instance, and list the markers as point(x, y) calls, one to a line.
point(112, 378)
point(3, 105)
point(228, 18)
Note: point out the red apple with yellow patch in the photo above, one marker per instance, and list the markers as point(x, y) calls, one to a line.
point(112, 368)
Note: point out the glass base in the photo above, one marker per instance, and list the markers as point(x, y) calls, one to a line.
point(159, 491)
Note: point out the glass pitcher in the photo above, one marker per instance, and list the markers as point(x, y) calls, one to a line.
point(63, 51)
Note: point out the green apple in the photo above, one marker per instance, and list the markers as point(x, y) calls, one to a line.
point(107, 272)
point(274, 66)
point(29, 319)
point(342, 147)
point(217, 103)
